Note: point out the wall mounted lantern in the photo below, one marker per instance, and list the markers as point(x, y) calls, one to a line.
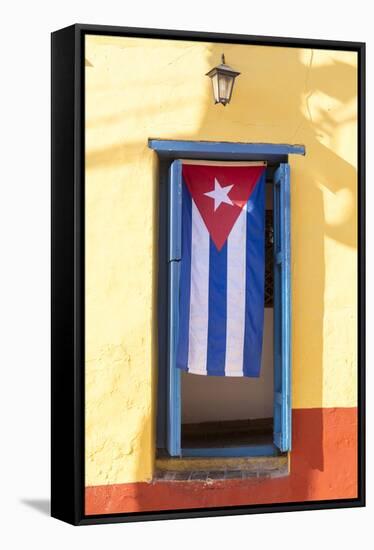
point(223, 78)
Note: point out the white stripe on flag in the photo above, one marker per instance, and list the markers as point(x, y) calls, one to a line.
point(236, 274)
point(199, 295)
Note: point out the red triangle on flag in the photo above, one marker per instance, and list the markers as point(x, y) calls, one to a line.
point(220, 192)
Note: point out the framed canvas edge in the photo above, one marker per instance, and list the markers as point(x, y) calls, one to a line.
point(74, 377)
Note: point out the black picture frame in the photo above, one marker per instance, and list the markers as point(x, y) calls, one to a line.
point(68, 274)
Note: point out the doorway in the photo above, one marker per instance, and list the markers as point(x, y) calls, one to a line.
point(225, 412)
point(241, 427)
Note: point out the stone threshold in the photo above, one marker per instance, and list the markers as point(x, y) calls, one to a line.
point(209, 470)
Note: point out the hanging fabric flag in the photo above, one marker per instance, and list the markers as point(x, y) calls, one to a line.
point(221, 308)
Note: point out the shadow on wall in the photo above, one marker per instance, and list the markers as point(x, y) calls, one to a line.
point(298, 119)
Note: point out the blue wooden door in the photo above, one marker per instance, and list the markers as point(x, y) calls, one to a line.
point(173, 424)
point(282, 309)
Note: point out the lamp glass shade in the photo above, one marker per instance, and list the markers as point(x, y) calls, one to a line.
point(225, 87)
point(215, 87)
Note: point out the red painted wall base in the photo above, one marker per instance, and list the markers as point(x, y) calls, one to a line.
point(323, 467)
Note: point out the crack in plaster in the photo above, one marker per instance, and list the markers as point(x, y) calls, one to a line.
point(307, 97)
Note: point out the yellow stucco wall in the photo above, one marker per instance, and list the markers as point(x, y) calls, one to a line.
point(136, 89)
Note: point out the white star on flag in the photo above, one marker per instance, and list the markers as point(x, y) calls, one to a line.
point(220, 194)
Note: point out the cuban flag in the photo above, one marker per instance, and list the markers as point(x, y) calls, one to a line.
point(221, 307)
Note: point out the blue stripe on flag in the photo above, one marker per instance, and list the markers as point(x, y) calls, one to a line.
point(185, 280)
point(216, 353)
point(255, 265)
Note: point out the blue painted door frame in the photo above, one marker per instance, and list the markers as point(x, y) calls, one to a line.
point(282, 303)
point(174, 418)
point(282, 308)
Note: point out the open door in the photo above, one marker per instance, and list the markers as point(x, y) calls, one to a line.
point(282, 309)
point(173, 424)
point(282, 313)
